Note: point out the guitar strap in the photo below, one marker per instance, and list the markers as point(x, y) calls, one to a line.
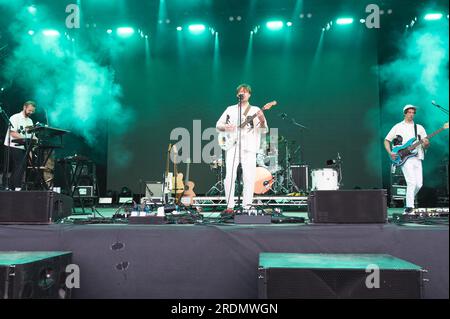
point(245, 114)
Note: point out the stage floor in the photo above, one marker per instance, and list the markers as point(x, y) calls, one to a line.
point(217, 261)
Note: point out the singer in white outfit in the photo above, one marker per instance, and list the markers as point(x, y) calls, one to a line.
point(412, 169)
point(251, 139)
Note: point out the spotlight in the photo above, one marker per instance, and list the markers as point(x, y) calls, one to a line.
point(231, 19)
point(289, 24)
point(274, 25)
point(239, 18)
point(344, 21)
point(362, 20)
point(51, 33)
point(433, 16)
point(167, 21)
point(196, 28)
point(109, 31)
point(125, 31)
point(309, 15)
point(389, 11)
point(31, 32)
point(301, 16)
point(32, 9)
point(179, 29)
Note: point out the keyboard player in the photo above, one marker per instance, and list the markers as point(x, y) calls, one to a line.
point(20, 122)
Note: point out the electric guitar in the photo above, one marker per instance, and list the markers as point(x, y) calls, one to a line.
point(229, 139)
point(409, 149)
point(187, 199)
point(168, 176)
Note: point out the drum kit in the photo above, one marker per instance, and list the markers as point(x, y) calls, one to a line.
point(273, 178)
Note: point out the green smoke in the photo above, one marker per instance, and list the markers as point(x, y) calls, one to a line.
point(419, 75)
point(64, 77)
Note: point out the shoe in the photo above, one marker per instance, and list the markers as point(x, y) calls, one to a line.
point(409, 211)
point(227, 212)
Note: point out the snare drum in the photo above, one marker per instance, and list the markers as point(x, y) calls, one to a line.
point(263, 181)
point(325, 179)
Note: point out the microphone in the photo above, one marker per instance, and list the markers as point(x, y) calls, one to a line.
point(241, 96)
point(435, 104)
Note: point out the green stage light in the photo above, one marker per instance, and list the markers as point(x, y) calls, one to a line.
point(196, 28)
point(274, 25)
point(109, 31)
point(32, 10)
point(343, 21)
point(289, 24)
point(433, 16)
point(125, 31)
point(179, 28)
point(51, 33)
point(31, 32)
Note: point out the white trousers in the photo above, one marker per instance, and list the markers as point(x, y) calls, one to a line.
point(248, 175)
point(412, 170)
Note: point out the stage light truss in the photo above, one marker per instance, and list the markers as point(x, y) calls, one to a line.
point(268, 201)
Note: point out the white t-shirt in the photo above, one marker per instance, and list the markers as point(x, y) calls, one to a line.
point(19, 122)
point(406, 131)
point(251, 133)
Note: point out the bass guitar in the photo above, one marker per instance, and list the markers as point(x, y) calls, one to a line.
point(409, 149)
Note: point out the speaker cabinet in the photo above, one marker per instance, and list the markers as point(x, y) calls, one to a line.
point(300, 176)
point(34, 275)
point(348, 206)
point(34, 207)
point(337, 276)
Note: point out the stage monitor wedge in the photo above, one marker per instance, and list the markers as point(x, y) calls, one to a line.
point(34, 275)
point(337, 276)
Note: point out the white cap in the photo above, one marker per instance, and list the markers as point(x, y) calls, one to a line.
point(409, 106)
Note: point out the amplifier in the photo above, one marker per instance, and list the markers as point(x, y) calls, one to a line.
point(34, 207)
point(398, 191)
point(154, 190)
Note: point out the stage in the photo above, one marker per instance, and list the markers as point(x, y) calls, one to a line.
point(217, 261)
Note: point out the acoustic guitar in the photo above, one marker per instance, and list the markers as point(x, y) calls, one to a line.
point(188, 196)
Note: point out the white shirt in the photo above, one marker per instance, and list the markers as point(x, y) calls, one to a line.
point(19, 122)
point(406, 131)
point(251, 133)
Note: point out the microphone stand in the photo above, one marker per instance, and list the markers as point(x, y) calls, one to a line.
point(239, 168)
point(440, 107)
point(6, 176)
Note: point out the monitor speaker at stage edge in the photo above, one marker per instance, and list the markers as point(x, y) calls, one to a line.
point(34, 275)
point(34, 207)
point(348, 206)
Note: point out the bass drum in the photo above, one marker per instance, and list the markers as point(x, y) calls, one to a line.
point(263, 181)
point(325, 179)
